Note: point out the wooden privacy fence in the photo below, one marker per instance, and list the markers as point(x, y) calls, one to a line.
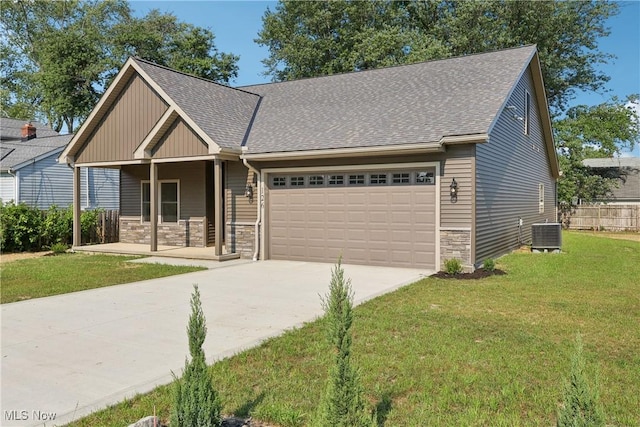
point(603, 217)
point(106, 229)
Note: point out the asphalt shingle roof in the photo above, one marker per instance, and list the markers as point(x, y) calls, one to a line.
point(618, 162)
point(222, 112)
point(407, 104)
point(17, 152)
point(12, 129)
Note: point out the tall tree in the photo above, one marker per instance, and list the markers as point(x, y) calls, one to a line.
point(598, 131)
point(308, 39)
point(58, 57)
point(161, 38)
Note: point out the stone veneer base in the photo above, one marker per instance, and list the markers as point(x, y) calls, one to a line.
point(189, 233)
point(456, 244)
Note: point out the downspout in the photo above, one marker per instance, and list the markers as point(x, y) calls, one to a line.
point(259, 204)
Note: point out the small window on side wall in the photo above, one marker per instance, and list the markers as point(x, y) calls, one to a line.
point(540, 198)
point(527, 112)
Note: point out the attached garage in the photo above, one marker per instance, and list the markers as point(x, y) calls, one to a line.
point(370, 215)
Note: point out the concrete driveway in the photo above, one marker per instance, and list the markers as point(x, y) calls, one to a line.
point(68, 355)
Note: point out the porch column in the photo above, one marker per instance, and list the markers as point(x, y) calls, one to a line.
point(153, 199)
point(217, 205)
point(77, 229)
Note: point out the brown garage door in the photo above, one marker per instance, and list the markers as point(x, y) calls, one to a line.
point(372, 217)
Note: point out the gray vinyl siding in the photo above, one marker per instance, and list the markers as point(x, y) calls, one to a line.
point(192, 187)
point(509, 169)
point(102, 187)
point(7, 187)
point(238, 207)
point(46, 182)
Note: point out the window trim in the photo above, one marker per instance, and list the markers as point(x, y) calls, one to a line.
point(527, 112)
point(160, 218)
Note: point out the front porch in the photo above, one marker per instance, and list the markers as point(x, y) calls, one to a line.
point(162, 251)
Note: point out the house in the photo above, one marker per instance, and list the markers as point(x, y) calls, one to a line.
point(30, 173)
point(626, 171)
point(403, 166)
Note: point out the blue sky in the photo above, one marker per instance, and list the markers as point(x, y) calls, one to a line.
point(237, 23)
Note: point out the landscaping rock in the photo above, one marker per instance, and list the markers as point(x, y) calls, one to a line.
point(149, 421)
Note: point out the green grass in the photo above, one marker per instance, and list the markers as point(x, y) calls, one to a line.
point(61, 274)
point(457, 353)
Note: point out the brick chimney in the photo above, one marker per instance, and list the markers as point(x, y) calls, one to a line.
point(28, 132)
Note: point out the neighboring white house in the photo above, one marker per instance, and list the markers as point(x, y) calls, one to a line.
point(30, 173)
point(627, 172)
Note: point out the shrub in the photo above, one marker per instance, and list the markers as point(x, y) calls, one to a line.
point(342, 403)
point(20, 228)
point(581, 406)
point(489, 264)
point(57, 226)
point(453, 266)
point(195, 402)
point(88, 223)
point(59, 248)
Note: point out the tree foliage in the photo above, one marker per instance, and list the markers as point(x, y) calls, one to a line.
point(342, 403)
point(195, 402)
point(598, 131)
point(58, 56)
point(307, 39)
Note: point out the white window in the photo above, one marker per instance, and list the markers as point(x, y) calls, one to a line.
point(540, 198)
point(527, 112)
point(169, 201)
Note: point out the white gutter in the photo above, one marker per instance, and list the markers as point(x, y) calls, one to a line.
point(256, 254)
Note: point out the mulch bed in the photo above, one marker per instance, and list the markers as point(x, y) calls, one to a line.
point(480, 273)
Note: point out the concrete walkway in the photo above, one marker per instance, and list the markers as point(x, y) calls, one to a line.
point(72, 354)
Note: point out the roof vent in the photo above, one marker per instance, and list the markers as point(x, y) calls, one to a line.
point(546, 237)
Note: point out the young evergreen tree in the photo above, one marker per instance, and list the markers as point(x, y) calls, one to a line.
point(342, 404)
point(195, 400)
point(581, 406)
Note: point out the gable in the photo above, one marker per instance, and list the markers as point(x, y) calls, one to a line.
point(131, 116)
point(180, 141)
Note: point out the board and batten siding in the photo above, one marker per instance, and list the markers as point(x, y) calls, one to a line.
point(509, 170)
point(238, 207)
point(132, 115)
point(180, 141)
point(191, 176)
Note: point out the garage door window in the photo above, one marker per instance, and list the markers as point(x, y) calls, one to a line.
point(356, 179)
point(297, 181)
point(378, 178)
point(336, 180)
point(401, 178)
point(279, 181)
point(316, 180)
point(424, 177)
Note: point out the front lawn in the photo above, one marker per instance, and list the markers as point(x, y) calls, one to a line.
point(61, 274)
point(491, 352)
